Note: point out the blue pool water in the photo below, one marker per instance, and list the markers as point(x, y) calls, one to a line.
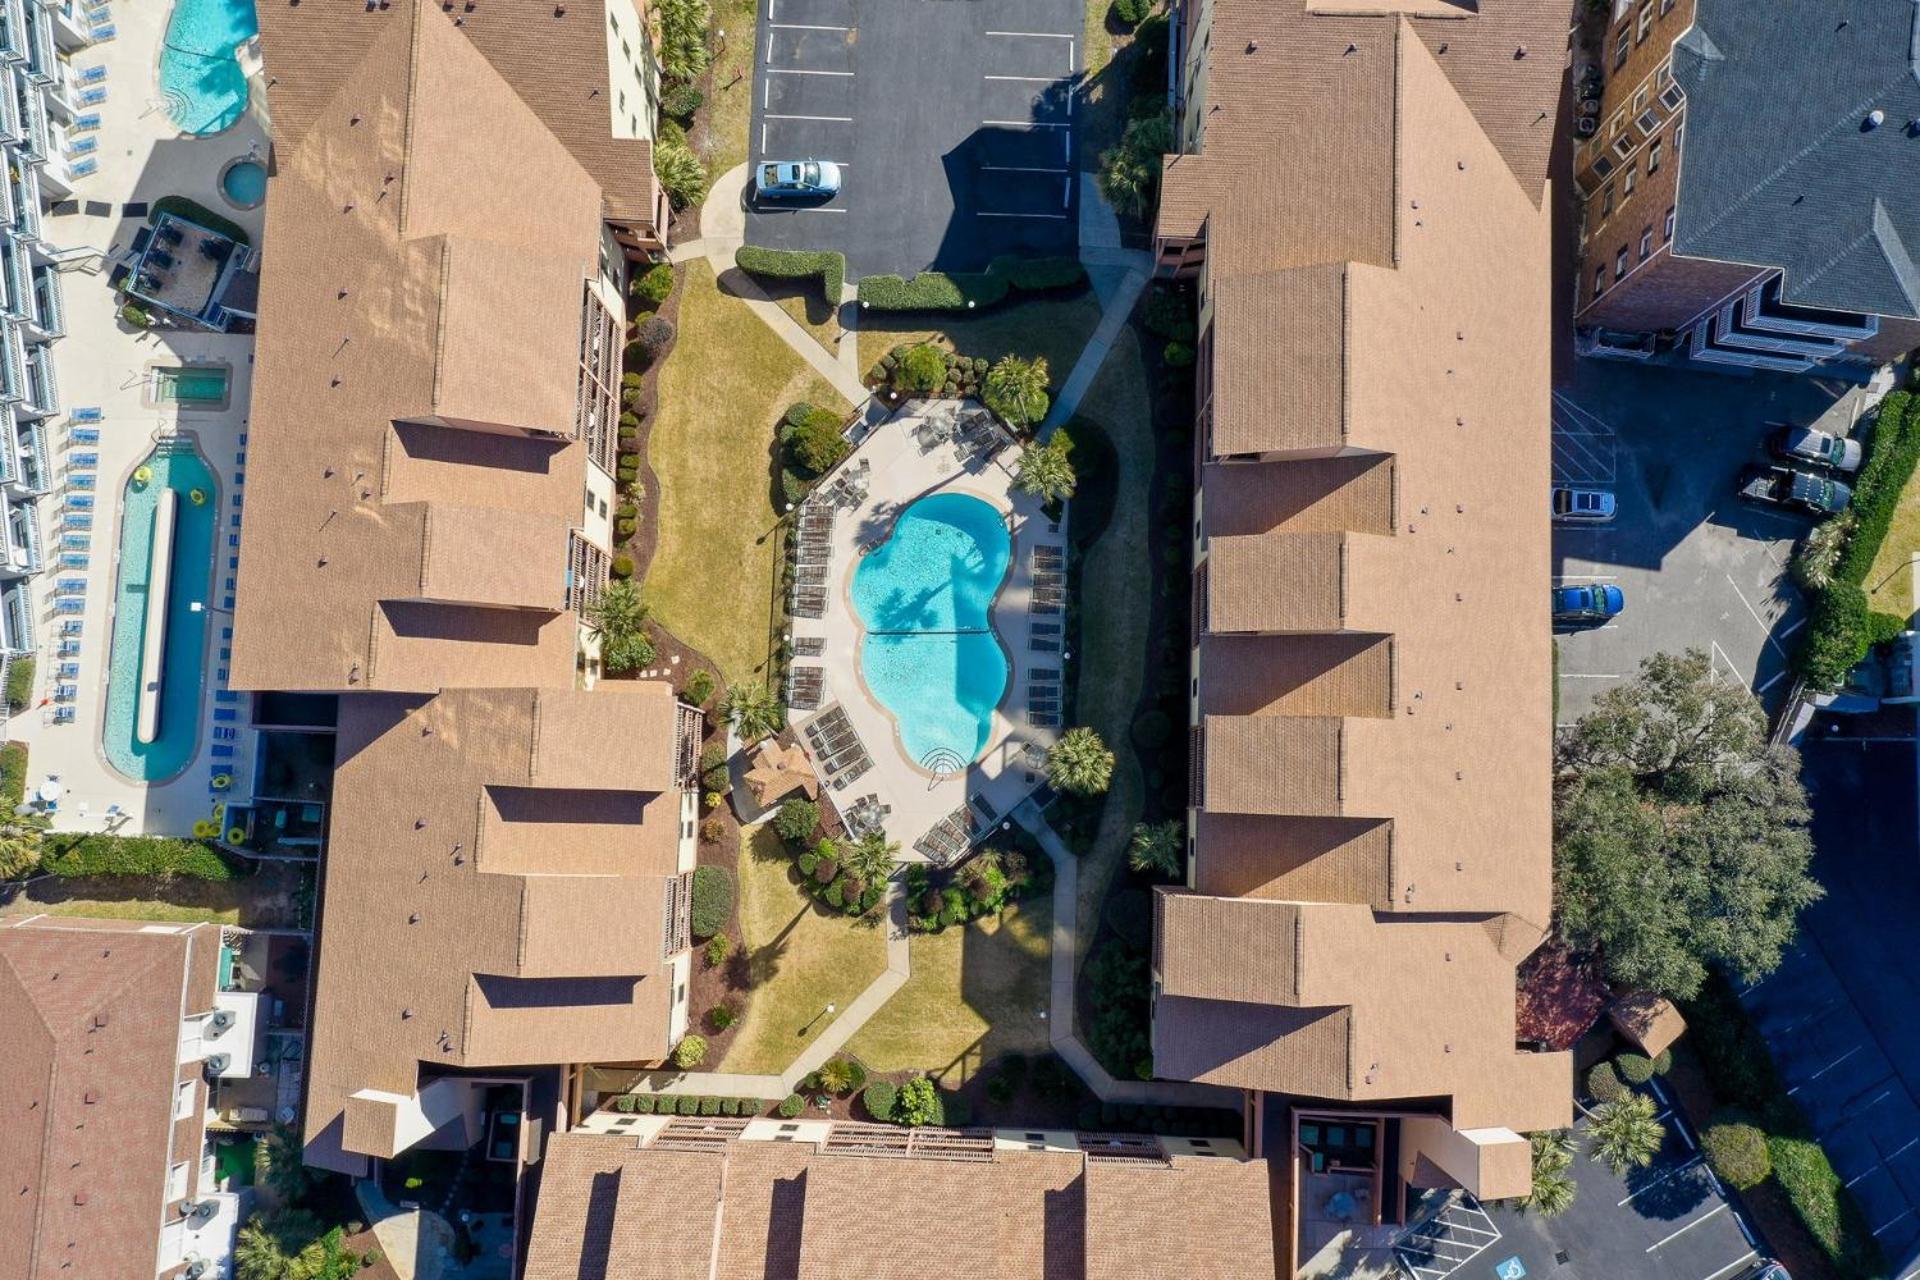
point(176, 465)
point(245, 183)
point(199, 75)
point(930, 655)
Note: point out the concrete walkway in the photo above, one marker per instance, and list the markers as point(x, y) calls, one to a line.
point(1066, 968)
point(1118, 311)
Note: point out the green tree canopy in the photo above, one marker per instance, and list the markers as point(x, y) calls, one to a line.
point(619, 618)
point(1046, 470)
point(1016, 389)
point(1158, 848)
point(1080, 763)
point(1680, 836)
point(754, 709)
point(870, 858)
point(1626, 1134)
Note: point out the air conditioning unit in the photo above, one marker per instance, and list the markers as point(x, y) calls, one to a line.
point(196, 1267)
point(221, 1020)
point(216, 1063)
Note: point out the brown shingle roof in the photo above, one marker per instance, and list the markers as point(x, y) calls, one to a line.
point(763, 1210)
point(431, 243)
point(92, 1012)
point(466, 924)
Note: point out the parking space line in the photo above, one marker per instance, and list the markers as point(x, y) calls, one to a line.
point(1744, 1258)
point(1866, 1173)
point(1836, 1062)
point(796, 71)
point(1027, 124)
point(1038, 35)
point(1771, 681)
point(1014, 168)
point(1765, 630)
point(1714, 1212)
point(1662, 1178)
point(1058, 217)
point(835, 119)
point(1028, 79)
point(804, 26)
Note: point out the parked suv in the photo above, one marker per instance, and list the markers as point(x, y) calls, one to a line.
point(1804, 444)
point(1581, 506)
point(1587, 602)
point(1794, 489)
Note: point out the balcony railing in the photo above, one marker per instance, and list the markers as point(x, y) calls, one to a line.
point(19, 619)
point(26, 199)
point(49, 302)
point(13, 31)
point(15, 300)
point(33, 110)
point(43, 389)
point(34, 471)
point(40, 56)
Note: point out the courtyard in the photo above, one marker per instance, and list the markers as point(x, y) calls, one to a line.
point(928, 622)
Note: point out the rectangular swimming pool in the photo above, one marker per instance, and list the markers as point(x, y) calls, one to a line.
point(193, 384)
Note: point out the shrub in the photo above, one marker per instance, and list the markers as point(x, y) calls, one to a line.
point(13, 775)
point(622, 566)
point(959, 290)
point(1663, 1062)
point(797, 264)
point(817, 441)
point(643, 1103)
point(879, 1099)
point(722, 1016)
point(686, 1104)
point(842, 1075)
point(729, 1106)
point(835, 895)
point(1178, 355)
point(681, 174)
point(652, 286)
point(712, 900)
point(699, 689)
point(999, 1090)
point(1604, 1083)
point(826, 869)
point(1129, 14)
point(719, 947)
point(72, 855)
point(709, 1106)
point(923, 368)
point(1039, 275)
point(1634, 1068)
point(1738, 1153)
point(796, 820)
point(690, 1052)
point(807, 862)
point(792, 1105)
point(918, 1103)
point(653, 336)
point(681, 102)
point(625, 1102)
point(136, 315)
point(20, 682)
point(1169, 315)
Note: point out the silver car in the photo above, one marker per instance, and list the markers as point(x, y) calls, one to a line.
point(1804, 444)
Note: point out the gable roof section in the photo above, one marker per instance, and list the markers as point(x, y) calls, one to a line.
point(92, 1014)
point(467, 923)
point(1781, 167)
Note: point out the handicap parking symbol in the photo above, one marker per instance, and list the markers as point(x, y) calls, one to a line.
point(1511, 1269)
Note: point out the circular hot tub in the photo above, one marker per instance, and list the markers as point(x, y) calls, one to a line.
point(244, 183)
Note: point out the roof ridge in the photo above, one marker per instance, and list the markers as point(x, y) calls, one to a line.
point(1895, 250)
point(406, 136)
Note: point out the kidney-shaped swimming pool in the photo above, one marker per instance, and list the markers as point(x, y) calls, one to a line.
point(925, 597)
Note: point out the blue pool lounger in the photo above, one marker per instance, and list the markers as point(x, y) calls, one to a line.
point(83, 146)
point(63, 715)
point(93, 97)
point(92, 75)
point(85, 168)
point(87, 413)
point(84, 461)
point(85, 123)
point(100, 35)
point(85, 435)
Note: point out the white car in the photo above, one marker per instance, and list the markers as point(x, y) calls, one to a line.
point(1581, 506)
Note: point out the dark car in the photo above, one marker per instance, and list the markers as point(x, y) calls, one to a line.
point(1795, 490)
point(1587, 602)
point(1804, 444)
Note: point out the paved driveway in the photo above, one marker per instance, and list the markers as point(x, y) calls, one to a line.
point(1699, 568)
point(1840, 1013)
point(953, 121)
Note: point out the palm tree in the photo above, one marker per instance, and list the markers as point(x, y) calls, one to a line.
point(1045, 471)
point(277, 1164)
point(1627, 1133)
point(1158, 849)
point(753, 709)
point(1016, 389)
point(20, 844)
point(257, 1254)
point(1553, 1186)
point(1080, 763)
point(619, 618)
point(680, 172)
point(1130, 172)
point(870, 858)
point(836, 1075)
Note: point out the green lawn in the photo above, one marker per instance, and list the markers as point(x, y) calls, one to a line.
point(801, 299)
point(1890, 581)
point(976, 992)
point(1054, 327)
point(1116, 596)
point(801, 959)
point(721, 392)
point(730, 107)
point(274, 897)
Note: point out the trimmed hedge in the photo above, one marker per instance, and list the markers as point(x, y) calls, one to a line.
point(193, 211)
point(878, 1098)
point(1634, 1068)
point(13, 775)
point(1841, 626)
point(94, 854)
point(797, 264)
point(792, 1105)
point(20, 682)
point(1744, 1077)
point(1603, 1082)
point(1737, 1151)
point(958, 290)
point(712, 900)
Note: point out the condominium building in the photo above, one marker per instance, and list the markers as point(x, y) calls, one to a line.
point(1745, 183)
point(42, 107)
point(1361, 202)
point(693, 1200)
point(114, 1030)
point(457, 195)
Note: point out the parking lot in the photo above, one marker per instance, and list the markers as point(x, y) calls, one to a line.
point(952, 123)
point(1669, 1221)
point(1698, 567)
point(1838, 1014)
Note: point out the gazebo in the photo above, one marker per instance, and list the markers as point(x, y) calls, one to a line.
point(778, 770)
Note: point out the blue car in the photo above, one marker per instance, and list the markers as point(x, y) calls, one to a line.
point(1587, 602)
point(785, 179)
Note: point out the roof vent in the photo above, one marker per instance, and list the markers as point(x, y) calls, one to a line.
point(1253, 46)
point(1875, 118)
point(221, 1020)
point(216, 1063)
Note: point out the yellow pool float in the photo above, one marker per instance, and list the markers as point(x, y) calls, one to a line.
point(203, 829)
point(142, 475)
point(199, 497)
point(236, 835)
point(221, 781)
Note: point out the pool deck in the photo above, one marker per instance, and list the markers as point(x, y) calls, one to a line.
point(102, 363)
point(899, 468)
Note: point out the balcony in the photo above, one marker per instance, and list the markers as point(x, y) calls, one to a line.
point(16, 617)
point(13, 32)
point(37, 143)
point(41, 62)
point(23, 179)
point(49, 302)
point(15, 299)
point(43, 389)
point(35, 474)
